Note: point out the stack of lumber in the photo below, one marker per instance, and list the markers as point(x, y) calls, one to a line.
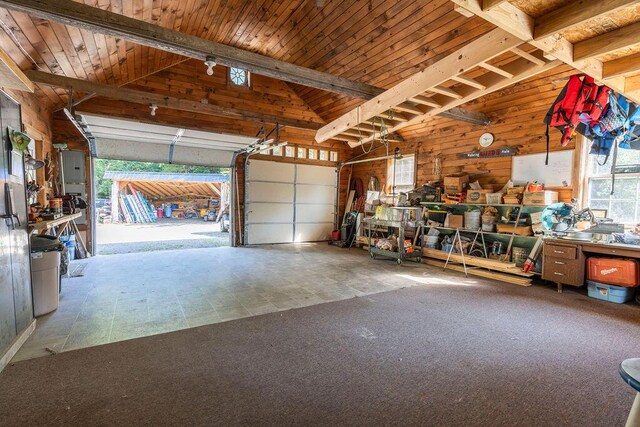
point(492, 269)
point(134, 207)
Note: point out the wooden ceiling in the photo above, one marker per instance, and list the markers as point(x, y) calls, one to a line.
point(375, 41)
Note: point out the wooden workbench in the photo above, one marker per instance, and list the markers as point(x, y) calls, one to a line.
point(44, 227)
point(563, 260)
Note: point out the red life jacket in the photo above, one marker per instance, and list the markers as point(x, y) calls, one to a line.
point(595, 104)
point(565, 111)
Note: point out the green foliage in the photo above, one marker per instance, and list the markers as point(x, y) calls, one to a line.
point(103, 185)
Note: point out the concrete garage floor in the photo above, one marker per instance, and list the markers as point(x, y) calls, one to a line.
point(127, 296)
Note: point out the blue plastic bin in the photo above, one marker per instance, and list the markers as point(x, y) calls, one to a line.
point(611, 293)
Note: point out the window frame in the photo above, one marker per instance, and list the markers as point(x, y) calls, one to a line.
point(247, 82)
point(391, 187)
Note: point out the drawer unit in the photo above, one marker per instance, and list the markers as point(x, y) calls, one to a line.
point(557, 251)
point(563, 264)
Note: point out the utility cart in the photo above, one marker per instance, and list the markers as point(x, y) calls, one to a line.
point(401, 218)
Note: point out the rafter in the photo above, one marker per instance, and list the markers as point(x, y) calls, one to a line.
point(437, 78)
point(515, 21)
point(576, 13)
point(140, 97)
point(619, 67)
point(608, 42)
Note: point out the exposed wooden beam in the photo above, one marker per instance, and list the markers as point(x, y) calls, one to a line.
point(621, 66)
point(468, 81)
point(632, 84)
point(576, 13)
point(464, 59)
point(515, 21)
point(490, 4)
point(11, 76)
point(425, 100)
point(140, 97)
point(495, 69)
point(608, 42)
point(527, 55)
point(102, 21)
point(446, 91)
point(521, 70)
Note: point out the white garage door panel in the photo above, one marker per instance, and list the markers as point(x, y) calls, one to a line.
point(270, 233)
point(312, 232)
point(271, 171)
point(315, 194)
point(320, 175)
point(270, 192)
point(272, 216)
point(270, 213)
point(314, 213)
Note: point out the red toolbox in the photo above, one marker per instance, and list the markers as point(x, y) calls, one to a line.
point(614, 271)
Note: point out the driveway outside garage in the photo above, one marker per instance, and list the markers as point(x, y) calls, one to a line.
point(164, 234)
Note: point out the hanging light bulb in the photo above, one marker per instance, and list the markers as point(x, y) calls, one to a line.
point(210, 63)
point(153, 107)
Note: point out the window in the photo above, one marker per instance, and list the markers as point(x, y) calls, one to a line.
point(324, 155)
point(238, 76)
point(333, 156)
point(302, 153)
point(313, 154)
point(624, 204)
point(289, 151)
point(401, 173)
point(277, 151)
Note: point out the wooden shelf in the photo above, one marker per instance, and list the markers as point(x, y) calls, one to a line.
point(49, 224)
point(500, 205)
point(481, 232)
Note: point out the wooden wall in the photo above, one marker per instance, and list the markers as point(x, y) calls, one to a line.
point(517, 114)
point(36, 119)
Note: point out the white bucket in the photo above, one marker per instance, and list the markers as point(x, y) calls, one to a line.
point(430, 242)
point(472, 220)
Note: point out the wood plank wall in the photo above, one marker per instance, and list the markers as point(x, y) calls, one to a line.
point(36, 120)
point(517, 114)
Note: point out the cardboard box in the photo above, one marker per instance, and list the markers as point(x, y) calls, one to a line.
point(454, 221)
point(515, 190)
point(456, 184)
point(540, 198)
point(511, 199)
point(477, 196)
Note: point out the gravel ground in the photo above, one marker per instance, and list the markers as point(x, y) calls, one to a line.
point(165, 234)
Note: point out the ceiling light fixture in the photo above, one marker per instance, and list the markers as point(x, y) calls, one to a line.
point(153, 107)
point(210, 63)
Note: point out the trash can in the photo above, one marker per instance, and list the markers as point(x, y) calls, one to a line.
point(45, 273)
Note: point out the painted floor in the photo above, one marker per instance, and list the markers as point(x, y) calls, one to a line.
point(127, 296)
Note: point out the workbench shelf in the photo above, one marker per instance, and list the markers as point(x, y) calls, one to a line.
point(469, 230)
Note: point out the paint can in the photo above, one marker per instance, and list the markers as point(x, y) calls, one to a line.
point(472, 220)
point(519, 255)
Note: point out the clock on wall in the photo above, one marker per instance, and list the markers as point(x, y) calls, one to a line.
point(486, 139)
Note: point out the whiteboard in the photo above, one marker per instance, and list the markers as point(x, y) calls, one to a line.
point(531, 167)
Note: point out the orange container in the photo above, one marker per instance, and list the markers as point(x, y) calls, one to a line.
point(614, 271)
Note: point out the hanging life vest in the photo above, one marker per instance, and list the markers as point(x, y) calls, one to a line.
point(565, 111)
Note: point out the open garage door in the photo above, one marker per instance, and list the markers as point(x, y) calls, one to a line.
point(128, 140)
point(288, 202)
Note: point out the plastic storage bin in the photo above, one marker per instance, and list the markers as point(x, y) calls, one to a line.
point(611, 293)
point(614, 271)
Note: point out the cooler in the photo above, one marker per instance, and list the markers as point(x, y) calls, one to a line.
point(614, 271)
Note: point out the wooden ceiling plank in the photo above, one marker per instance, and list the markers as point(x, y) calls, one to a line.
point(619, 67)
point(125, 94)
point(105, 22)
point(608, 42)
point(469, 81)
point(575, 13)
point(480, 50)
